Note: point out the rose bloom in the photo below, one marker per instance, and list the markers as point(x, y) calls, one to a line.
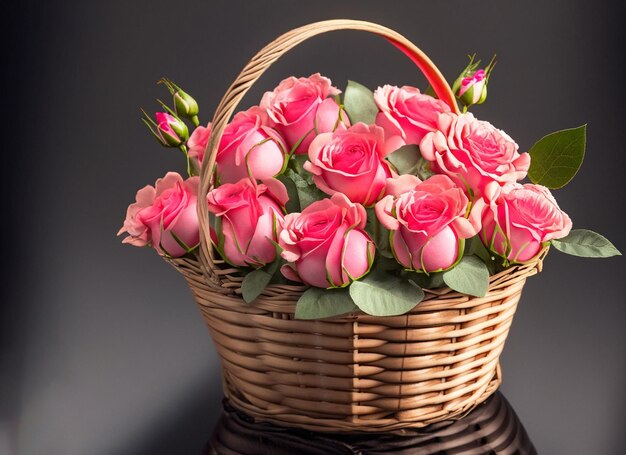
point(249, 215)
point(299, 108)
point(518, 219)
point(406, 114)
point(427, 221)
point(326, 244)
point(350, 162)
point(248, 144)
point(164, 216)
point(473, 152)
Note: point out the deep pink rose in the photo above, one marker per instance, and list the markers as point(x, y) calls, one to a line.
point(473, 152)
point(250, 215)
point(350, 162)
point(196, 145)
point(405, 114)
point(299, 108)
point(427, 221)
point(164, 216)
point(518, 219)
point(326, 244)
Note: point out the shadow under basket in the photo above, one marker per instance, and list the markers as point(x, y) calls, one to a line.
point(358, 372)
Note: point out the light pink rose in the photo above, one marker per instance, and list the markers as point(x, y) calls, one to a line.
point(249, 145)
point(473, 152)
point(427, 221)
point(518, 219)
point(250, 215)
point(326, 244)
point(406, 114)
point(350, 162)
point(196, 145)
point(299, 108)
point(164, 216)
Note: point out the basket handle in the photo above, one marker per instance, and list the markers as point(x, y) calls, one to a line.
point(262, 61)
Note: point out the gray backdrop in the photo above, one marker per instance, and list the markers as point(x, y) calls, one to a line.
point(102, 348)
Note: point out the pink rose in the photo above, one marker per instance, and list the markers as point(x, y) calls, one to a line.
point(518, 219)
point(350, 162)
point(249, 145)
point(473, 152)
point(164, 216)
point(249, 216)
point(406, 114)
point(196, 145)
point(299, 109)
point(326, 244)
point(427, 221)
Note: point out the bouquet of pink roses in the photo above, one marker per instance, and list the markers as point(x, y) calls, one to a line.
point(367, 197)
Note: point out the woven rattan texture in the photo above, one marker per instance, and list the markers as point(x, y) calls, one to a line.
point(359, 372)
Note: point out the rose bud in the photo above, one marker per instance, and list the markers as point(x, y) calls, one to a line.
point(350, 162)
point(170, 131)
point(406, 114)
point(428, 221)
point(299, 108)
point(250, 148)
point(186, 105)
point(471, 85)
point(473, 152)
point(164, 216)
point(249, 216)
point(519, 219)
point(326, 245)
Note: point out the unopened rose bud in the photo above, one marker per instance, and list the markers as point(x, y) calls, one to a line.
point(172, 130)
point(186, 105)
point(473, 89)
point(471, 86)
point(169, 130)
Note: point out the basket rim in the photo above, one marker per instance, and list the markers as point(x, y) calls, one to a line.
point(282, 298)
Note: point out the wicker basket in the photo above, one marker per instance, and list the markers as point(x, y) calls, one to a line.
point(356, 372)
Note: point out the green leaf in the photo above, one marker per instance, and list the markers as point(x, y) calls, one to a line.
point(475, 247)
point(470, 277)
point(431, 281)
point(256, 281)
point(557, 157)
point(406, 159)
point(381, 294)
point(293, 204)
point(316, 303)
point(378, 233)
point(423, 170)
point(358, 101)
point(587, 244)
point(307, 193)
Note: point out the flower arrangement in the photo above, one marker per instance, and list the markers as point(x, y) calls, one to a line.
point(365, 197)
